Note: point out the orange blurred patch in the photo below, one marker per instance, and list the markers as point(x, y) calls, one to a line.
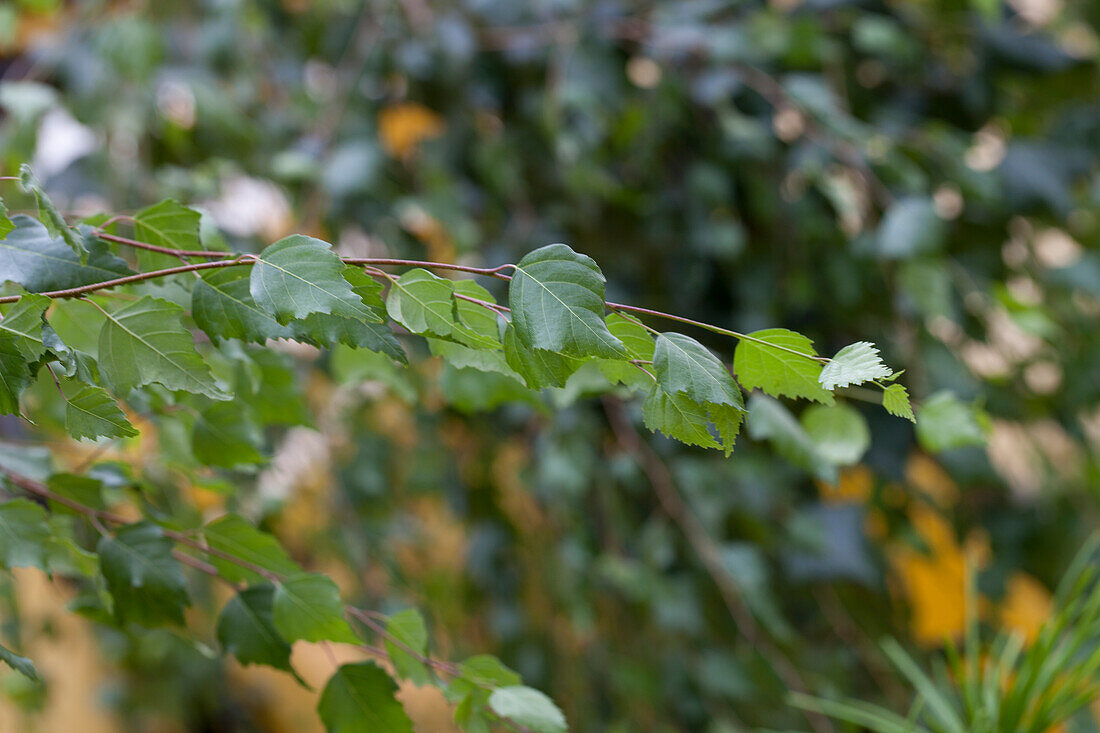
point(1027, 606)
point(854, 485)
point(402, 127)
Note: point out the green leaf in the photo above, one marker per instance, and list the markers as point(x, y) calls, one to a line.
point(51, 216)
point(407, 627)
point(23, 320)
point(308, 606)
point(770, 420)
point(144, 343)
point(538, 368)
point(466, 357)
point(324, 330)
point(684, 366)
point(31, 257)
point(24, 535)
point(93, 413)
point(679, 417)
point(424, 304)
point(895, 398)
point(528, 707)
point(167, 224)
point(234, 535)
point(557, 301)
point(300, 275)
point(482, 324)
point(224, 435)
point(780, 369)
point(15, 373)
point(246, 629)
point(839, 432)
point(359, 698)
point(636, 339)
point(944, 422)
point(223, 308)
point(144, 579)
point(22, 665)
point(854, 364)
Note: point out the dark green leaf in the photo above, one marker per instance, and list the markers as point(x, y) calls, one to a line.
point(31, 257)
point(145, 580)
point(557, 301)
point(246, 629)
point(23, 321)
point(24, 535)
point(300, 275)
point(222, 306)
point(359, 698)
point(538, 368)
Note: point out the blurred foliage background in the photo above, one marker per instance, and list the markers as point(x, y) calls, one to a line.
point(924, 174)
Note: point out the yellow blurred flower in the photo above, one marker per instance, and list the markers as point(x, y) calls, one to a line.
point(935, 583)
point(402, 127)
point(1026, 607)
point(854, 485)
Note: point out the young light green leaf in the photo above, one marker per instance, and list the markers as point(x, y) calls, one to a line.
point(32, 258)
point(234, 535)
point(481, 323)
point(684, 366)
point(359, 698)
point(528, 707)
point(51, 216)
point(167, 224)
point(222, 306)
point(24, 535)
point(945, 423)
point(144, 343)
point(783, 365)
point(93, 413)
point(634, 336)
point(144, 579)
point(246, 630)
point(406, 631)
point(22, 665)
point(308, 606)
point(424, 304)
point(224, 435)
point(557, 301)
point(770, 420)
point(23, 321)
point(839, 432)
point(895, 398)
point(854, 364)
point(300, 275)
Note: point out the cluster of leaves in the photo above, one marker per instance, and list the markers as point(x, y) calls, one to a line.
point(145, 354)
